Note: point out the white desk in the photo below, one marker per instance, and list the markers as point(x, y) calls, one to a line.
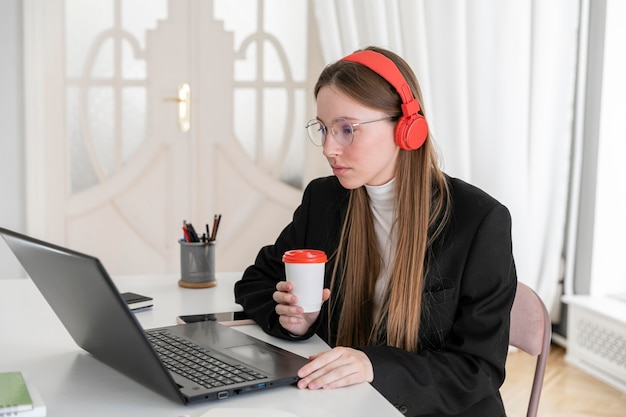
point(73, 383)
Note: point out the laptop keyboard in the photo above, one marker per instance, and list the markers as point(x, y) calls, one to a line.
point(195, 363)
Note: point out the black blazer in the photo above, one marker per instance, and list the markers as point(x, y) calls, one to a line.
point(469, 290)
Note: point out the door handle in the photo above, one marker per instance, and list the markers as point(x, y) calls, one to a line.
point(184, 103)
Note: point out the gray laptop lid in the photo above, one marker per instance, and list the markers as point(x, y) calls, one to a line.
point(85, 299)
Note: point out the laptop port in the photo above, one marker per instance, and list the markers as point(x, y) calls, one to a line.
point(222, 395)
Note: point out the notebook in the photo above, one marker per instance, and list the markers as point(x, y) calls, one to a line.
point(85, 299)
point(19, 396)
point(14, 396)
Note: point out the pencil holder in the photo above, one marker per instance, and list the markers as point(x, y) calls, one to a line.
point(197, 264)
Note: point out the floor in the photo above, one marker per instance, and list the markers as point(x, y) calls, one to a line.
point(567, 391)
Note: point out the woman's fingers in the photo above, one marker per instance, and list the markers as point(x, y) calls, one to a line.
point(291, 316)
point(338, 367)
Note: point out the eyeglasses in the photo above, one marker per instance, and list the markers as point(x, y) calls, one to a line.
point(342, 130)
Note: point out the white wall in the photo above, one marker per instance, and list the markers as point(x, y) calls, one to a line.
point(12, 172)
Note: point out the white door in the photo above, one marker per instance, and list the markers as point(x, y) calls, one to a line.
point(120, 156)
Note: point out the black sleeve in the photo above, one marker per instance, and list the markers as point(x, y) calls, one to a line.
point(315, 225)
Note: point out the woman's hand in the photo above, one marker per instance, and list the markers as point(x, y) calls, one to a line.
point(290, 315)
point(336, 368)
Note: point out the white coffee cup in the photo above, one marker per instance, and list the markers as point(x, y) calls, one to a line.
point(304, 268)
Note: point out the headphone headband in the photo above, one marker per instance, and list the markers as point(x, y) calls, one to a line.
point(412, 129)
point(384, 67)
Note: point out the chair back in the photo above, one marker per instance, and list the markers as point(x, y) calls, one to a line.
point(531, 331)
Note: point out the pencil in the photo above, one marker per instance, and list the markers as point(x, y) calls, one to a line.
point(217, 225)
point(214, 228)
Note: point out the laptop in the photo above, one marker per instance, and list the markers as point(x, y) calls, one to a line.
point(85, 299)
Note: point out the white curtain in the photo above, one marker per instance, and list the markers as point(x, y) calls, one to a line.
point(498, 80)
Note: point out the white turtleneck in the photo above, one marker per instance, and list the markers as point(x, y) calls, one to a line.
point(382, 206)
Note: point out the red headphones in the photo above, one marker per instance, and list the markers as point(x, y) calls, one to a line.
point(412, 129)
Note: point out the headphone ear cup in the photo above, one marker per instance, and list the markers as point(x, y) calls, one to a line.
point(411, 132)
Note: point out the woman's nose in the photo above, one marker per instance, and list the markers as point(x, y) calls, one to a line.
point(330, 147)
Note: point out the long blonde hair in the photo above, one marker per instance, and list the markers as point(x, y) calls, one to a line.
point(421, 204)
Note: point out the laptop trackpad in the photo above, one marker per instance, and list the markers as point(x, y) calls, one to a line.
point(258, 356)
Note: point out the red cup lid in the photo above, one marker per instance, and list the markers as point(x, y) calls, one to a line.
point(304, 256)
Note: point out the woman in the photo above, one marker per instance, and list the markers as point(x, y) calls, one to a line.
point(420, 279)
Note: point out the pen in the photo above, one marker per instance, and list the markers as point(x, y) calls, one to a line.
point(192, 233)
point(185, 234)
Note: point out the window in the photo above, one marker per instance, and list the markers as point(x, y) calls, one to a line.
point(270, 82)
point(608, 274)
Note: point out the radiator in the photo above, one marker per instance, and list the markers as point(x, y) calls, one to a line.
point(596, 337)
